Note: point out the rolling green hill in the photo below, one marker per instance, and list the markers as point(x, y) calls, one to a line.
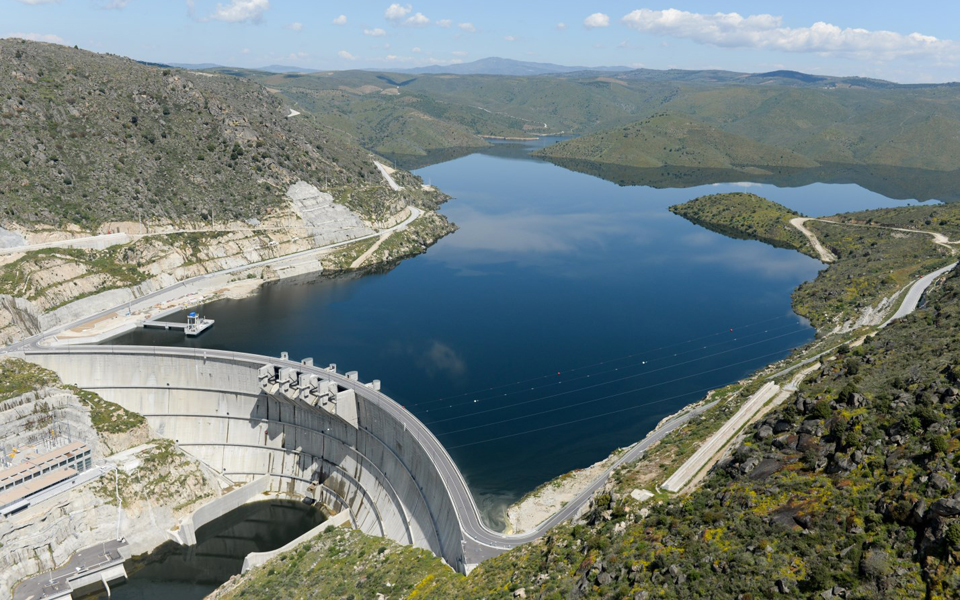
point(675, 140)
point(788, 118)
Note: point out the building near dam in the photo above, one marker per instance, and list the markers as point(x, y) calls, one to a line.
point(310, 430)
point(35, 473)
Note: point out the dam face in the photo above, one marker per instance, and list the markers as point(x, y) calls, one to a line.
point(315, 432)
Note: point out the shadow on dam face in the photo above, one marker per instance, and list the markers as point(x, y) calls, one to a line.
point(313, 431)
point(191, 573)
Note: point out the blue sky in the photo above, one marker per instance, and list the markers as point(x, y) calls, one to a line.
point(897, 41)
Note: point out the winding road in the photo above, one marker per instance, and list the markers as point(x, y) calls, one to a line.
point(825, 255)
point(197, 284)
point(479, 542)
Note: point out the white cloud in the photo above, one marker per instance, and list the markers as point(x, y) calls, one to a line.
point(467, 27)
point(341, 20)
point(37, 37)
point(294, 26)
point(114, 4)
point(510, 38)
point(376, 32)
point(417, 20)
point(459, 53)
point(35, 2)
point(561, 26)
point(416, 49)
point(346, 55)
point(444, 23)
point(239, 11)
point(730, 30)
point(245, 51)
point(596, 20)
point(396, 12)
point(298, 55)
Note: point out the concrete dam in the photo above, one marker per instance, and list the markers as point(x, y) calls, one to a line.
point(313, 431)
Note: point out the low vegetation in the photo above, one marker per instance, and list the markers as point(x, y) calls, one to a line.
point(107, 417)
point(942, 218)
point(872, 266)
point(17, 377)
point(746, 216)
point(89, 139)
point(341, 563)
point(849, 490)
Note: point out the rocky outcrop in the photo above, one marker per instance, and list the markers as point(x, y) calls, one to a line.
point(327, 221)
point(46, 534)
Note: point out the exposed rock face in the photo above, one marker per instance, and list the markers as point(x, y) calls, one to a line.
point(45, 535)
point(332, 222)
point(61, 289)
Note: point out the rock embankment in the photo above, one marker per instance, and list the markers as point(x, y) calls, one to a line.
point(550, 497)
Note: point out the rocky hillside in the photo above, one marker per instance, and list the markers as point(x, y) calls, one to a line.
point(190, 173)
point(91, 138)
point(34, 402)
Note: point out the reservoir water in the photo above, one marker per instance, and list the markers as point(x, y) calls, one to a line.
point(565, 318)
point(173, 571)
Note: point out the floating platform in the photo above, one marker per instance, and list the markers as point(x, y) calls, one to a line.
point(194, 326)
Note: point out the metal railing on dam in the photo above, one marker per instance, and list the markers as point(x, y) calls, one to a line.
point(381, 462)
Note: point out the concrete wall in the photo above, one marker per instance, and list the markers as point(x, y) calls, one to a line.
point(219, 507)
point(214, 408)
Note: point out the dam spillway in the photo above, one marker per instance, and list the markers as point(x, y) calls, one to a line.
point(247, 416)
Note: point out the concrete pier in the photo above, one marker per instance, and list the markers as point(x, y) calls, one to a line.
point(194, 326)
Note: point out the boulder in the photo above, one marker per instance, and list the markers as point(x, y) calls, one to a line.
point(787, 441)
point(749, 465)
point(782, 426)
point(939, 482)
point(946, 507)
point(765, 468)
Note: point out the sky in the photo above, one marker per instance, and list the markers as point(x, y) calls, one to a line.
point(904, 42)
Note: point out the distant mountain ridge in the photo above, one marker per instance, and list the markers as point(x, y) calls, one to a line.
point(504, 66)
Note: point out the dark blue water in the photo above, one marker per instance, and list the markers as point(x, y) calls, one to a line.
point(174, 571)
point(551, 273)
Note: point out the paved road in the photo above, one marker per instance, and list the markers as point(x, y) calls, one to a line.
point(915, 293)
point(196, 283)
point(95, 557)
point(719, 439)
point(479, 542)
